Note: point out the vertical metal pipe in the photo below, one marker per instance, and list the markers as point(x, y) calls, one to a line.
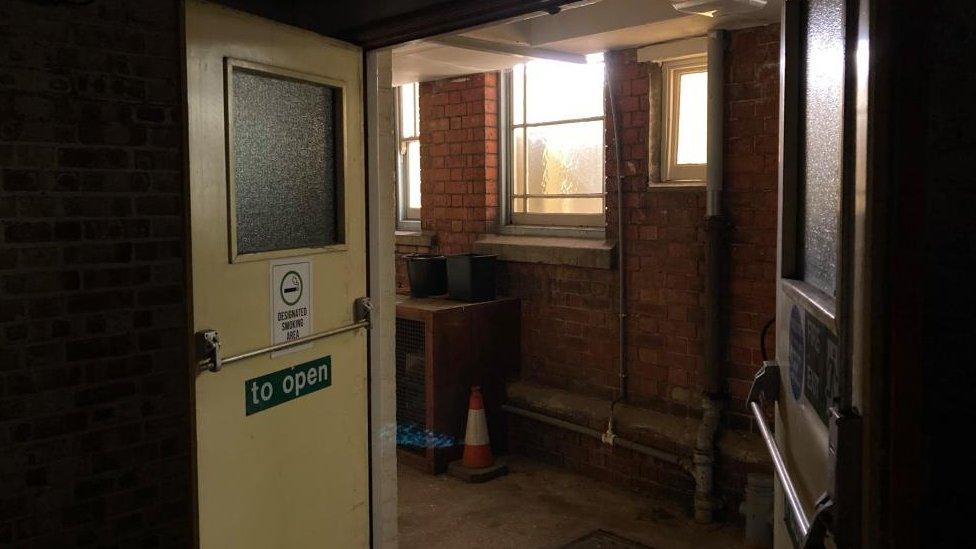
point(715, 229)
point(714, 220)
point(621, 266)
point(716, 121)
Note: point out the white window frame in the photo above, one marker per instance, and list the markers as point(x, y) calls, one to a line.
point(556, 224)
point(671, 71)
point(408, 219)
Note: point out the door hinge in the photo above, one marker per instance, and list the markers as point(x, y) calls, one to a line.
point(844, 475)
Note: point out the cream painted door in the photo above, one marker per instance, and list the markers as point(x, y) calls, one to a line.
point(817, 421)
point(277, 200)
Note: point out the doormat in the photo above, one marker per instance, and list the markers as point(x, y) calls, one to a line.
point(602, 539)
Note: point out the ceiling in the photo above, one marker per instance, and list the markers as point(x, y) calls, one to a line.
point(378, 23)
point(578, 29)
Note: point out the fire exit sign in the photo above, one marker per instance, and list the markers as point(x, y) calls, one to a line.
point(270, 390)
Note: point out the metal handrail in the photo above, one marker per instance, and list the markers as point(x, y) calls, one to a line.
point(799, 515)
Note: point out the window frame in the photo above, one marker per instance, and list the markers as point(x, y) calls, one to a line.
point(671, 72)
point(408, 219)
point(550, 224)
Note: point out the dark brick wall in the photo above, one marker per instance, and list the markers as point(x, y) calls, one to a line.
point(624, 467)
point(94, 384)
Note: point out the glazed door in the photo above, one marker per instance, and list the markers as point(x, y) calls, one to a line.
point(277, 201)
point(810, 385)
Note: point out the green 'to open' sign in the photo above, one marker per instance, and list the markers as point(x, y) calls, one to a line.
point(270, 390)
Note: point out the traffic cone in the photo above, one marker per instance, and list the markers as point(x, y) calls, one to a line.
point(476, 463)
point(477, 448)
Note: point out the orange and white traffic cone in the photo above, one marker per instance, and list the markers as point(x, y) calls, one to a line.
point(477, 447)
point(476, 463)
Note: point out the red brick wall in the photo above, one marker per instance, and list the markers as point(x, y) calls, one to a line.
point(569, 314)
point(94, 384)
point(750, 200)
point(624, 467)
point(459, 159)
point(569, 320)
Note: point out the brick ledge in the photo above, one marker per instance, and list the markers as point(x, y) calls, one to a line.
point(411, 238)
point(577, 252)
point(663, 431)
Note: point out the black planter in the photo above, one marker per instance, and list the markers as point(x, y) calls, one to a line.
point(471, 277)
point(428, 274)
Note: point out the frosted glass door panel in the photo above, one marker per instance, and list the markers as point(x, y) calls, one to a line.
point(285, 162)
point(820, 190)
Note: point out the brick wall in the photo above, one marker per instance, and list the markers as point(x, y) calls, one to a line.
point(569, 314)
point(94, 405)
point(624, 467)
point(459, 159)
point(750, 201)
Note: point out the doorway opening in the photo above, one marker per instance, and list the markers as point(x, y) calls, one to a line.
point(509, 143)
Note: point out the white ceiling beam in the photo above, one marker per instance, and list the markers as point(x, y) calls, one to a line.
point(477, 44)
point(676, 49)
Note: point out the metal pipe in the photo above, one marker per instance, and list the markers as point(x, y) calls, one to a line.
point(792, 499)
point(714, 220)
point(715, 122)
point(623, 443)
point(714, 230)
point(621, 266)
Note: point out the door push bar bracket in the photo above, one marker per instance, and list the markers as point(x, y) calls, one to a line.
point(765, 386)
point(208, 350)
point(820, 525)
point(208, 341)
point(362, 309)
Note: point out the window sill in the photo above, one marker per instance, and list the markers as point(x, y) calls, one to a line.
point(577, 252)
point(588, 233)
point(408, 226)
point(414, 238)
point(676, 186)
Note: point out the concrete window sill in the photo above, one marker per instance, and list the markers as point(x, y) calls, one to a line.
point(410, 238)
point(577, 252)
point(692, 186)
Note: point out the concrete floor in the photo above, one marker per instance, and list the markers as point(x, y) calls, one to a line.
point(540, 506)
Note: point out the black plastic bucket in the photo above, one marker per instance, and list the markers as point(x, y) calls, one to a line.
point(471, 277)
point(427, 273)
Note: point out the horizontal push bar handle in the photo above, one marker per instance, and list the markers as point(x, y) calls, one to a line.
point(296, 342)
point(208, 341)
point(792, 499)
point(765, 388)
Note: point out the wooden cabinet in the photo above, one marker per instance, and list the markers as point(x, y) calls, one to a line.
point(445, 347)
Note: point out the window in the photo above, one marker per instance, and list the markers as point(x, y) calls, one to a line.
point(555, 143)
point(408, 157)
point(685, 120)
